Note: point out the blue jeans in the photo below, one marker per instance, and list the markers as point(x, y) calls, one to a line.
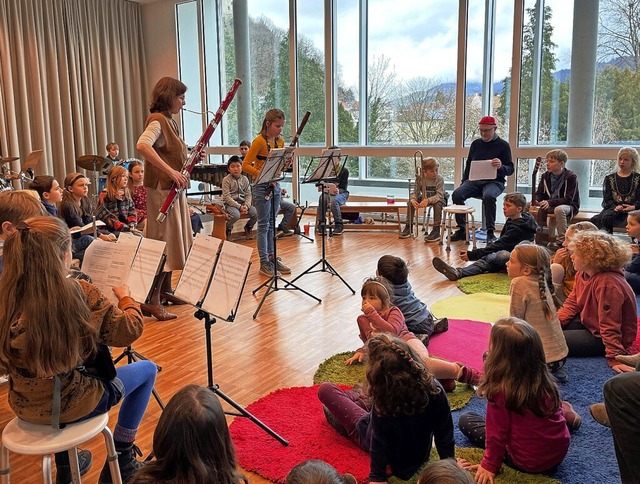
point(265, 228)
point(79, 245)
point(494, 262)
point(488, 191)
point(333, 202)
point(234, 216)
point(138, 379)
point(288, 209)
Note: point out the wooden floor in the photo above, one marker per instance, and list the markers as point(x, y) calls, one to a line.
point(283, 346)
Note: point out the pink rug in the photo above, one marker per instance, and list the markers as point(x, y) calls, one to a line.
point(464, 342)
point(295, 414)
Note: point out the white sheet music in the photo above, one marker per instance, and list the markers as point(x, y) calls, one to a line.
point(482, 170)
point(197, 271)
point(108, 265)
point(144, 267)
point(228, 280)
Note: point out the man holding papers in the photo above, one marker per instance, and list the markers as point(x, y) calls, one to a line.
point(488, 164)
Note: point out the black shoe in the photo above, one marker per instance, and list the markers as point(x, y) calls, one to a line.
point(63, 471)
point(424, 338)
point(127, 463)
point(440, 325)
point(458, 235)
point(406, 233)
point(442, 267)
point(338, 230)
point(491, 238)
point(333, 421)
point(284, 231)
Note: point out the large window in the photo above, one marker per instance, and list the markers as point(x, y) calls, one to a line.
point(383, 81)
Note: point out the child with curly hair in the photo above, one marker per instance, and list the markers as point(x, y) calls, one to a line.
point(409, 410)
point(600, 315)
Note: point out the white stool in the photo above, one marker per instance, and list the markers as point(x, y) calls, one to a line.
point(32, 439)
point(448, 218)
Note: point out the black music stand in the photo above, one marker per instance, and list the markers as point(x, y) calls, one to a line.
point(296, 229)
point(209, 320)
point(131, 354)
point(271, 172)
point(326, 171)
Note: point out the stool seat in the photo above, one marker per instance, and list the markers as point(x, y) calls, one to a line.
point(459, 209)
point(34, 439)
point(447, 223)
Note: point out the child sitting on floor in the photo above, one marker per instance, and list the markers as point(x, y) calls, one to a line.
point(445, 471)
point(527, 424)
point(418, 318)
point(600, 315)
point(381, 317)
point(533, 300)
point(409, 411)
point(563, 273)
point(317, 472)
point(191, 443)
point(519, 227)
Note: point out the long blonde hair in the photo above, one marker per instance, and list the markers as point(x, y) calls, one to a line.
point(536, 258)
point(35, 290)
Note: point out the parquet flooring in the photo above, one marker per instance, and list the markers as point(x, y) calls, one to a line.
point(283, 346)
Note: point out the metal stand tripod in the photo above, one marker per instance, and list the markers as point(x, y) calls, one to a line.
point(215, 388)
point(133, 356)
point(272, 283)
point(323, 262)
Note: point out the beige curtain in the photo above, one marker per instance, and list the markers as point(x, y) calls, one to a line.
point(72, 79)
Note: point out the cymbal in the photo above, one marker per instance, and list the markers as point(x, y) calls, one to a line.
point(91, 162)
point(9, 159)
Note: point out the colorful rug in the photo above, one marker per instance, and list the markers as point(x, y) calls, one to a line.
point(477, 307)
point(465, 342)
point(493, 283)
point(296, 414)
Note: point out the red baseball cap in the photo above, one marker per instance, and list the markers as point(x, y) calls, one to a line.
point(489, 120)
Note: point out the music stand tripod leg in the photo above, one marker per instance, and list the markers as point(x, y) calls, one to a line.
point(133, 356)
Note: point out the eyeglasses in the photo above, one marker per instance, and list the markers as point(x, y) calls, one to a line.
point(486, 130)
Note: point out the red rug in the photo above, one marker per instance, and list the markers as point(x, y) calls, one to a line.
point(464, 342)
point(295, 414)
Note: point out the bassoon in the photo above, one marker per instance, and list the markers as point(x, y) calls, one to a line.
point(196, 152)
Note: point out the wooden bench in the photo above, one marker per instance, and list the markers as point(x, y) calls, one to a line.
point(581, 216)
point(220, 223)
point(374, 207)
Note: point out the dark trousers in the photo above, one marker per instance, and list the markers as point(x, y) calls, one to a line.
point(488, 191)
point(622, 400)
point(494, 262)
point(580, 341)
point(609, 218)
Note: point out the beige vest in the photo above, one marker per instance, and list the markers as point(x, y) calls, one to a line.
point(172, 153)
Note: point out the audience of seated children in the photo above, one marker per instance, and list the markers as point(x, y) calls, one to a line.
point(599, 317)
point(15, 206)
point(236, 196)
point(562, 271)
point(417, 316)
point(315, 471)
point(632, 269)
point(381, 317)
point(408, 410)
point(533, 300)
point(76, 211)
point(191, 443)
point(335, 195)
point(116, 208)
point(138, 190)
point(445, 471)
point(37, 346)
point(435, 197)
point(50, 192)
point(557, 193)
point(620, 191)
point(519, 227)
point(527, 424)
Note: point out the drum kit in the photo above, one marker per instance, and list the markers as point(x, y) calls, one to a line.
point(25, 175)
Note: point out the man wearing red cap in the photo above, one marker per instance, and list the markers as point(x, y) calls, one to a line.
point(488, 147)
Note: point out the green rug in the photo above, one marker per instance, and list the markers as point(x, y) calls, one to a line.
point(477, 307)
point(507, 475)
point(494, 283)
point(335, 371)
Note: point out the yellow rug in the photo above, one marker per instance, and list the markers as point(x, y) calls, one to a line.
point(480, 306)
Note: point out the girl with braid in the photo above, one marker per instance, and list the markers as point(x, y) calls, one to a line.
point(379, 316)
point(533, 299)
point(403, 411)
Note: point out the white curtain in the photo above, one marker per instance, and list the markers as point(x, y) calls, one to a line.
point(72, 79)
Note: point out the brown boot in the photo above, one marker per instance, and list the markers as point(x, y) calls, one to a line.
point(599, 413)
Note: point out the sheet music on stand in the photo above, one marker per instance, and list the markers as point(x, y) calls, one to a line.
point(213, 277)
point(328, 168)
point(274, 165)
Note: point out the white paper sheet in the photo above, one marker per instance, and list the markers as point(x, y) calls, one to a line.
point(482, 170)
point(145, 267)
point(197, 270)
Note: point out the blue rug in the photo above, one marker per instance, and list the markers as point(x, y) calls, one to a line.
point(591, 457)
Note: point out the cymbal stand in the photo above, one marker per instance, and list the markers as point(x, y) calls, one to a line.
point(325, 266)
